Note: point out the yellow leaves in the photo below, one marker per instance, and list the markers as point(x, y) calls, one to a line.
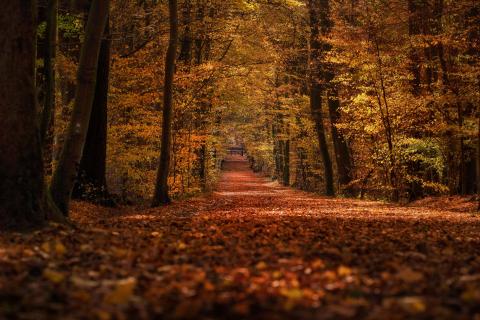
point(248, 6)
point(318, 264)
point(122, 292)
point(83, 283)
point(53, 276)
point(471, 295)
point(54, 247)
point(181, 245)
point(261, 265)
point(156, 234)
point(294, 3)
point(410, 304)
point(344, 271)
point(293, 295)
point(413, 304)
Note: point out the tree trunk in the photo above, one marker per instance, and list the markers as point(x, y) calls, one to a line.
point(286, 163)
point(47, 125)
point(24, 203)
point(186, 42)
point(161, 189)
point(318, 20)
point(91, 181)
point(342, 152)
point(414, 22)
point(50, 55)
point(66, 172)
point(478, 157)
point(316, 109)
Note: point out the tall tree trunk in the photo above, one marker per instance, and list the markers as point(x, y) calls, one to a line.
point(47, 125)
point(66, 172)
point(316, 109)
point(414, 21)
point(340, 146)
point(478, 156)
point(286, 164)
point(186, 42)
point(161, 188)
point(24, 202)
point(50, 55)
point(91, 181)
point(317, 49)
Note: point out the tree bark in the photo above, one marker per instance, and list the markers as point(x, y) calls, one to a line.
point(318, 21)
point(91, 181)
point(24, 202)
point(186, 42)
point(414, 21)
point(342, 151)
point(66, 172)
point(286, 164)
point(50, 55)
point(161, 195)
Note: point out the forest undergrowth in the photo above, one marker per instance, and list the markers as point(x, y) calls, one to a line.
point(250, 250)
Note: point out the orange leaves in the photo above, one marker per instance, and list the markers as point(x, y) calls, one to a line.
point(252, 249)
point(122, 291)
point(408, 275)
point(53, 276)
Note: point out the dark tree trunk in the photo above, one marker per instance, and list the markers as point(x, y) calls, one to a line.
point(342, 152)
point(161, 188)
point(203, 166)
point(67, 170)
point(47, 125)
point(24, 202)
point(316, 109)
point(286, 164)
point(414, 22)
point(49, 65)
point(477, 159)
point(319, 22)
point(473, 21)
point(91, 181)
point(186, 42)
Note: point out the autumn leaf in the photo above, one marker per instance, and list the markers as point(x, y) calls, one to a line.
point(413, 304)
point(53, 275)
point(409, 275)
point(122, 291)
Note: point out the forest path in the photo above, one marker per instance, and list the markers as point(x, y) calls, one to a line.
point(250, 250)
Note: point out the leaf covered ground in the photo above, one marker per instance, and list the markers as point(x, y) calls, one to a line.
point(251, 250)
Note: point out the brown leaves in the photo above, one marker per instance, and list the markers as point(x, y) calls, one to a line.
point(122, 291)
point(408, 275)
point(257, 251)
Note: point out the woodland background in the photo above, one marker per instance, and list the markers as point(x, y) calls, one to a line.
point(400, 90)
point(359, 98)
point(128, 103)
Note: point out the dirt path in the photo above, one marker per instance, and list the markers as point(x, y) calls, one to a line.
point(251, 250)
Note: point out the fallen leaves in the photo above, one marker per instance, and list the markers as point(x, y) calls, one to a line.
point(122, 291)
point(235, 256)
point(411, 305)
point(53, 276)
point(54, 247)
point(409, 275)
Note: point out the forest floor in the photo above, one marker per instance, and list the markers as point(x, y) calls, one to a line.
point(250, 250)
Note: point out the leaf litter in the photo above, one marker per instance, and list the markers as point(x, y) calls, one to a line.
point(250, 250)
